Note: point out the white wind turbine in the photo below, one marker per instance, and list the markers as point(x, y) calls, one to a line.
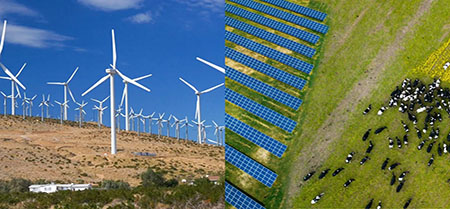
point(100, 109)
point(30, 102)
point(220, 69)
point(81, 111)
point(186, 124)
point(5, 99)
point(11, 77)
point(125, 97)
point(42, 105)
point(159, 122)
point(66, 88)
point(118, 113)
point(139, 118)
point(200, 129)
point(217, 132)
point(197, 109)
point(62, 105)
point(176, 123)
point(168, 125)
point(150, 118)
point(111, 72)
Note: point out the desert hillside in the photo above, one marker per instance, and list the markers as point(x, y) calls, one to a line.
point(34, 150)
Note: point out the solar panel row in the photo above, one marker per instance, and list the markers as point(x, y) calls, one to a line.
point(301, 34)
point(298, 8)
point(238, 199)
point(268, 143)
point(248, 165)
point(261, 87)
point(276, 39)
point(304, 22)
point(267, 69)
point(269, 52)
point(259, 110)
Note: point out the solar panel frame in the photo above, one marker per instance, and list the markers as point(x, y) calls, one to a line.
point(263, 88)
point(276, 25)
point(276, 39)
point(261, 111)
point(298, 9)
point(268, 143)
point(269, 52)
point(266, 69)
point(238, 199)
point(304, 22)
point(250, 166)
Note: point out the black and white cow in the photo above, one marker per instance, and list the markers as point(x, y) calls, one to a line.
point(383, 166)
point(430, 146)
point(419, 147)
point(348, 182)
point(399, 143)
point(349, 157)
point(369, 205)
point(400, 186)
point(369, 149)
point(379, 130)
point(323, 173)
point(430, 162)
point(337, 171)
point(394, 165)
point(402, 176)
point(317, 198)
point(367, 110)
point(405, 139)
point(308, 176)
point(364, 160)
point(366, 135)
point(391, 143)
point(407, 203)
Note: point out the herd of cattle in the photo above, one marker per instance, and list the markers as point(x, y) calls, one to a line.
point(412, 98)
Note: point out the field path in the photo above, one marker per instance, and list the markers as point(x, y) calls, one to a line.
point(315, 153)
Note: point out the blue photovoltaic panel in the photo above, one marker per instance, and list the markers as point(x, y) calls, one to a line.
point(276, 39)
point(301, 34)
point(261, 87)
point(267, 69)
point(269, 52)
point(238, 199)
point(298, 9)
point(260, 110)
point(248, 165)
point(315, 26)
point(253, 135)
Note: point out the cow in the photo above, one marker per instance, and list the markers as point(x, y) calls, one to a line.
point(364, 160)
point(405, 127)
point(399, 143)
point(348, 182)
point(367, 110)
point(382, 109)
point(394, 165)
point(448, 137)
point(430, 146)
point(407, 203)
point(439, 149)
point(393, 179)
point(349, 157)
point(379, 205)
point(421, 145)
point(430, 162)
point(337, 171)
point(400, 186)
point(402, 176)
point(391, 143)
point(366, 135)
point(383, 166)
point(369, 205)
point(317, 198)
point(369, 149)
point(405, 139)
point(308, 176)
point(445, 148)
point(323, 173)
point(379, 130)
point(419, 134)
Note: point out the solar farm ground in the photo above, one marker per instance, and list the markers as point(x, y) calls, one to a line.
point(34, 150)
point(371, 46)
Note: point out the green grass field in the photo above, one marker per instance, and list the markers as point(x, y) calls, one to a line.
point(374, 41)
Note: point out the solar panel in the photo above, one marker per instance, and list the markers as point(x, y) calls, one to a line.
point(269, 52)
point(261, 87)
point(248, 165)
point(315, 26)
point(268, 143)
point(260, 110)
point(267, 69)
point(238, 199)
point(301, 34)
point(276, 39)
point(298, 8)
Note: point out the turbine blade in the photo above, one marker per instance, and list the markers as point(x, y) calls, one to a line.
point(18, 90)
point(1, 92)
point(56, 83)
point(20, 71)
point(131, 81)
point(12, 76)
point(215, 124)
point(188, 84)
point(221, 69)
point(70, 93)
point(73, 74)
point(123, 97)
point(96, 84)
point(197, 108)
point(212, 88)
point(96, 100)
point(142, 77)
point(2, 41)
point(114, 48)
point(105, 99)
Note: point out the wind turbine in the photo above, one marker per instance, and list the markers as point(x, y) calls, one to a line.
point(217, 132)
point(111, 72)
point(30, 102)
point(159, 122)
point(118, 113)
point(186, 124)
point(41, 105)
point(47, 104)
point(222, 129)
point(176, 123)
point(125, 97)
point(139, 118)
point(62, 105)
point(197, 109)
point(66, 88)
point(81, 111)
point(168, 125)
point(5, 98)
point(11, 77)
point(150, 118)
point(220, 69)
point(100, 109)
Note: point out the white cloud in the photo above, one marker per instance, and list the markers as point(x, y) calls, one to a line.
point(141, 18)
point(210, 5)
point(11, 7)
point(33, 37)
point(112, 5)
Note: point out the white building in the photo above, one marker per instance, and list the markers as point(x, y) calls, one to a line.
point(50, 188)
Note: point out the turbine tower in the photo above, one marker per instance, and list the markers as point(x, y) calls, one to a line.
point(125, 97)
point(66, 88)
point(62, 106)
point(159, 122)
point(186, 124)
point(5, 98)
point(11, 77)
point(176, 123)
point(197, 109)
point(81, 111)
point(100, 109)
point(111, 72)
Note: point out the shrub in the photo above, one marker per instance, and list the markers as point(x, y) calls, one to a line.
point(110, 184)
point(152, 178)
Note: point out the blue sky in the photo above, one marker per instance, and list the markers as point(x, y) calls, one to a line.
point(158, 37)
